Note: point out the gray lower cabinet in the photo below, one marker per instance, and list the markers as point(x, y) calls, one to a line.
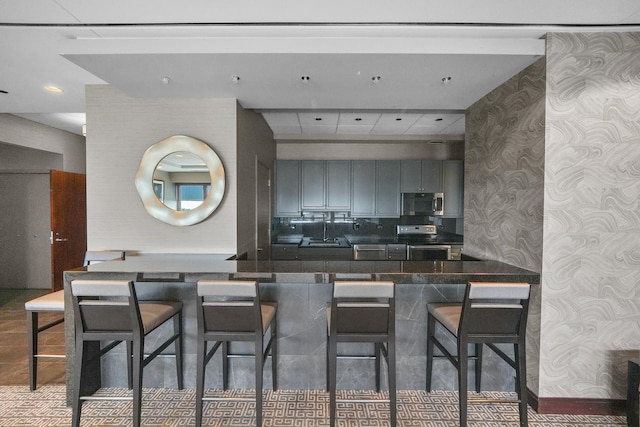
point(287, 188)
point(453, 187)
point(421, 176)
point(397, 251)
point(325, 254)
point(375, 188)
point(281, 251)
point(326, 185)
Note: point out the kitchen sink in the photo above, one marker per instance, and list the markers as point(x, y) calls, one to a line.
point(336, 242)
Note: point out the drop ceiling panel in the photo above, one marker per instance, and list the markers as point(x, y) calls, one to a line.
point(319, 119)
point(338, 82)
point(358, 119)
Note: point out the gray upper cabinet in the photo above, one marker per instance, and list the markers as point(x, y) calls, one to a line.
point(326, 185)
point(421, 176)
point(453, 186)
point(287, 185)
point(375, 188)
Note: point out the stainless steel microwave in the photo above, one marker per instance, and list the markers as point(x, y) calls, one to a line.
point(422, 203)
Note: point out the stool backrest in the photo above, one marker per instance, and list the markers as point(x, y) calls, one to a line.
point(494, 310)
point(94, 257)
point(229, 305)
point(105, 306)
point(363, 307)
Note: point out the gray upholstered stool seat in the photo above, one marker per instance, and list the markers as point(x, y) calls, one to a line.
point(49, 302)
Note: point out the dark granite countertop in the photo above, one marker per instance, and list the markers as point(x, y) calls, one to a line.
point(440, 239)
point(354, 239)
point(191, 267)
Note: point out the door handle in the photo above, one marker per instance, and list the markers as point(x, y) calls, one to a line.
point(57, 239)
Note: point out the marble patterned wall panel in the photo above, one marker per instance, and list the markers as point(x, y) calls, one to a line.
point(504, 170)
point(590, 321)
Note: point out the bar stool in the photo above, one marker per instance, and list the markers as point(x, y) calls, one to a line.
point(232, 311)
point(108, 310)
point(490, 313)
point(53, 302)
point(362, 312)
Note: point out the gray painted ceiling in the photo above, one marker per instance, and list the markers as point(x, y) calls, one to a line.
point(329, 69)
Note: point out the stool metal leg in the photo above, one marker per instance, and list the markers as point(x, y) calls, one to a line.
point(633, 395)
point(32, 331)
point(377, 352)
point(333, 356)
point(391, 365)
point(431, 328)
point(274, 355)
point(463, 364)
point(259, 366)
point(138, 355)
point(521, 381)
point(225, 365)
point(77, 383)
point(177, 329)
point(200, 377)
point(478, 366)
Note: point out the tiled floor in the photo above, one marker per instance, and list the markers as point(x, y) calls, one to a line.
point(164, 407)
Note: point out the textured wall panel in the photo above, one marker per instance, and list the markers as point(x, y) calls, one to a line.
point(591, 307)
point(119, 130)
point(504, 170)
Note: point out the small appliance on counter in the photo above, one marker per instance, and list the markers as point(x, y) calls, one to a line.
point(422, 242)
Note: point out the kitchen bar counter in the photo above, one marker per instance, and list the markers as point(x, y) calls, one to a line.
point(195, 266)
point(302, 290)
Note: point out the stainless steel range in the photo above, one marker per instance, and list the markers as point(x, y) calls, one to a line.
point(422, 242)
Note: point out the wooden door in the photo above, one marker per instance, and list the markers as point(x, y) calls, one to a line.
point(68, 224)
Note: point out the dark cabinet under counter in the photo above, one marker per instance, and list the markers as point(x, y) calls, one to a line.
point(282, 251)
point(291, 252)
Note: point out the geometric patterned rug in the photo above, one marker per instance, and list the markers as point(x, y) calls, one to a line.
point(299, 408)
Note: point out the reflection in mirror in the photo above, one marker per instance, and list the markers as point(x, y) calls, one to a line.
point(182, 181)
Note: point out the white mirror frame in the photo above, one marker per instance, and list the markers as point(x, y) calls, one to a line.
point(144, 180)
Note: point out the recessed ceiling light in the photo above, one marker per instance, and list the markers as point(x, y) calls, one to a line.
point(165, 80)
point(398, 119)
point(3, 91)
point(357, 119)
point(318, 119)
point(305, 79)
point(235, 79)
point(439, 119)
point(375, 79)
point(446, 80)
point(53, 89)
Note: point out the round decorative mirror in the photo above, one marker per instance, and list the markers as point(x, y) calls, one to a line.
point(180, 180)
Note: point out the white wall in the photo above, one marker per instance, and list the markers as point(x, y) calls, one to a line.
point(119, 130)
point(25, 133)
